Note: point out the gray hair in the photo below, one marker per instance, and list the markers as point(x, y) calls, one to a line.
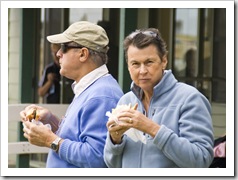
point(99, 58)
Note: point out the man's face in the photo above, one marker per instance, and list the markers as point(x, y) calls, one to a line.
point(70, 65)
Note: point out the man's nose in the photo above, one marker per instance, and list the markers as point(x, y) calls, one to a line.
point(59, 53)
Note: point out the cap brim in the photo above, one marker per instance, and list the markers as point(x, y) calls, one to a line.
point(58, 39)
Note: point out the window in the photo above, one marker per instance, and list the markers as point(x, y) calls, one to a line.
point(186, 45)
point(85, 14)
point(200, 51)
point(219, 57)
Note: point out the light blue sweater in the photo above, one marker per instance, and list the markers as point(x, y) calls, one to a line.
point(84, 126)
point(185, 138)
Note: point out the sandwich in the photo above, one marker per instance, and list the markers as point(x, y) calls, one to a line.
point(32, 114)
point(114, 114)
point(120, 108)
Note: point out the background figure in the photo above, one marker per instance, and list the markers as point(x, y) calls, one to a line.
point(219, 160)
point(113, 49)
point(191, 71)
point(49, 85)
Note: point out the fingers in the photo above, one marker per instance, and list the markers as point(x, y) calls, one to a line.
point(135, 106)
point(112, 125)
point(121, 127)
point(28, 112)
point(26, 129)
point(26, 124)
point(126, 122)
point(114, 130)
point(26, 135)
point(30, 129)
point(130, 120)
point(23, 113)
point(23, 116)
point(32, 106)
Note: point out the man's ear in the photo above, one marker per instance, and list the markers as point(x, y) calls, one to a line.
point(84, 54)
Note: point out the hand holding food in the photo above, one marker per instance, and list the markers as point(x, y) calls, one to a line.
point(36, 114)
point(118, 109)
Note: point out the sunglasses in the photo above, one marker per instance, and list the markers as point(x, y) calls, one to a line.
point(147, 33)
point(65, 47)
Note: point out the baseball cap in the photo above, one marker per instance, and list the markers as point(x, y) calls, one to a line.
point(84, 33)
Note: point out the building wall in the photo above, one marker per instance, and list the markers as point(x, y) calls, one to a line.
point(14, 55)
point(14, 52)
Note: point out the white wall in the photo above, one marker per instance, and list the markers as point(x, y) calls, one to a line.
point(14, 55)
point(14, 49)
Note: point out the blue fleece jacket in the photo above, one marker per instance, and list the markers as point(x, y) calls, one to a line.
point(84, 126)
point(185, 138)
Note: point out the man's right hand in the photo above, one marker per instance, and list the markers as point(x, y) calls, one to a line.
point(42, 113)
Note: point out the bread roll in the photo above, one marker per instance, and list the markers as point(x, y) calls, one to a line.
point(32, 114)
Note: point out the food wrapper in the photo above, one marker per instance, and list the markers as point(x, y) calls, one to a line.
point(38, 123)
point(133, 133)
point(113, 115)
point(136, 135)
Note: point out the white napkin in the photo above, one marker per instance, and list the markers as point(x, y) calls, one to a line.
point(133, 133)
point(38, 123)
point(136, 135)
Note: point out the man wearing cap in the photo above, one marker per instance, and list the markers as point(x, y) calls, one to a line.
point(78, 139)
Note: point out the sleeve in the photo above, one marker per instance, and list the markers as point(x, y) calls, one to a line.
point(193, 145)
point(92, 135)
point(113, 152)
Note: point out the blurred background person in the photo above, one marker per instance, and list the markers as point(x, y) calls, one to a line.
point(49, 85)
point(191, 66)
point(113, 49)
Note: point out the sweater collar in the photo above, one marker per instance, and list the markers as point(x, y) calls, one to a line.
point(89, 79)
point(167, 82)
